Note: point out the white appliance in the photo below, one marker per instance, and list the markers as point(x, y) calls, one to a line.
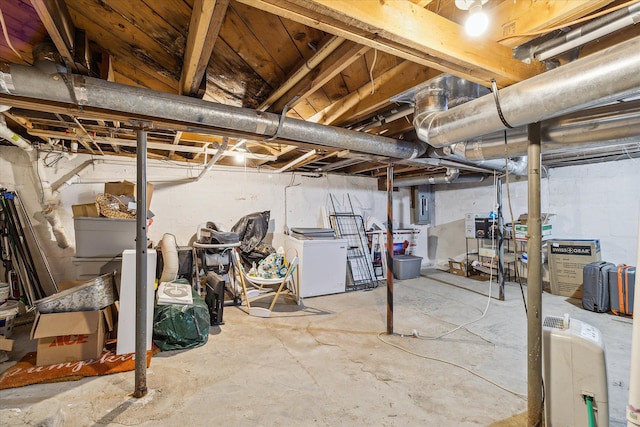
point(574, 372)
point(323, 265)
point(127, 314)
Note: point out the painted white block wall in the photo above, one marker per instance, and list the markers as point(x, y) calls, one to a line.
point(595, 201)
point(222, 196)
point(599, 201)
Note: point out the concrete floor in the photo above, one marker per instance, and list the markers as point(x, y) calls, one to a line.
point(327, 363)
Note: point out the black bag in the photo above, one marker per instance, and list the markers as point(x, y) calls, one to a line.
point(595, 286)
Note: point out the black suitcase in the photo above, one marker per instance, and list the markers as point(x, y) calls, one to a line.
point(595, 286)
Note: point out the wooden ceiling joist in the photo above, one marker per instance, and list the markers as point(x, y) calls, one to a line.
point(362, 102)
point(524, 17)
point(206, 21)
point(410, 32)
point(57, 21)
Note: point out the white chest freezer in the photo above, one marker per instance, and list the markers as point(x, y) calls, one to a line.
point(323, 265)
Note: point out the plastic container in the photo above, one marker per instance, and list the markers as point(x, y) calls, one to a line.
point(4, 292)
point(406, 266)
point(103, 237)
point(8, 312)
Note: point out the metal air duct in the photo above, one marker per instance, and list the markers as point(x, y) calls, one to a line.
point(612, 124)
point(47, 81)
point(601, 77)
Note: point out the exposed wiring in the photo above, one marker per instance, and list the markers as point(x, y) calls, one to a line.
point(513, 235)
point(521, 396)
point(373, 64)
point(568, 24)
point(6, 36)
point(50, 163)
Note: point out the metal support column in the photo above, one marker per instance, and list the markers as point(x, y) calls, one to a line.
point(141, 264)
point(534, 282)
point(390, 249)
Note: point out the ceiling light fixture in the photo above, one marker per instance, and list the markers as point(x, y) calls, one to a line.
point(478, 21)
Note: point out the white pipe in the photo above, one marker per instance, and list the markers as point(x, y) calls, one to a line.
point(214, 158)
point(49, 197)
point(53, 218)
point(13, 137)
point(169, 258)
point(633, 408)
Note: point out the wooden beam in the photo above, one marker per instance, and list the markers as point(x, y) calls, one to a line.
point(342, 57)
point(176, 141)
point(528, 16)
point(206, 20)
point(421, 3)
point(57, 21)
point(403, 29)
point(362, 103)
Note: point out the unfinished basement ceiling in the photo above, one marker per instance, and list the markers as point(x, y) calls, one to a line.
point(331, 62)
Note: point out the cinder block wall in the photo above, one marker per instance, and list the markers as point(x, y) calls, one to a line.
point(599, 201)
point(223, 195)
point(595, 201)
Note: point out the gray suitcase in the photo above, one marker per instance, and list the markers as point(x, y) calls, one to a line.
point(595, 286)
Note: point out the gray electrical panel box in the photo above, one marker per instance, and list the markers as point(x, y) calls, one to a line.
point(424, 205)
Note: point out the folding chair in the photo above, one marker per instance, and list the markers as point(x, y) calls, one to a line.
point(264, 287)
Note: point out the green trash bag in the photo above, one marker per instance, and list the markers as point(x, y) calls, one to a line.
point(180, 326)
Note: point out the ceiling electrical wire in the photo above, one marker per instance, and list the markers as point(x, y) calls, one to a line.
point(568, 24)
point(373, 64)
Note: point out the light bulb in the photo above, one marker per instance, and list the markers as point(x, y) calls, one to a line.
point(477, 22)
point(240, 157)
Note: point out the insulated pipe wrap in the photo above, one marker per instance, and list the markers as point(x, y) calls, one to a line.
point(604, 76)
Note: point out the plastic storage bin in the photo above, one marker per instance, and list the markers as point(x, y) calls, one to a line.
point(406, 266)
point(104, 237)
point(8, 312)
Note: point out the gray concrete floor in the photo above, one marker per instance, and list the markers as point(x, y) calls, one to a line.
point(330, 363)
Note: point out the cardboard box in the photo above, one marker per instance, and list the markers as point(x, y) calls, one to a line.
point(567, 259)
point(470, 224)
point(86, 209)
point(522, 231)
point(459, 268)
point(69, 337)
point(126, 188)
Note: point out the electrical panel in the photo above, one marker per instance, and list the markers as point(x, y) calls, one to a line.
point(424, 205)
